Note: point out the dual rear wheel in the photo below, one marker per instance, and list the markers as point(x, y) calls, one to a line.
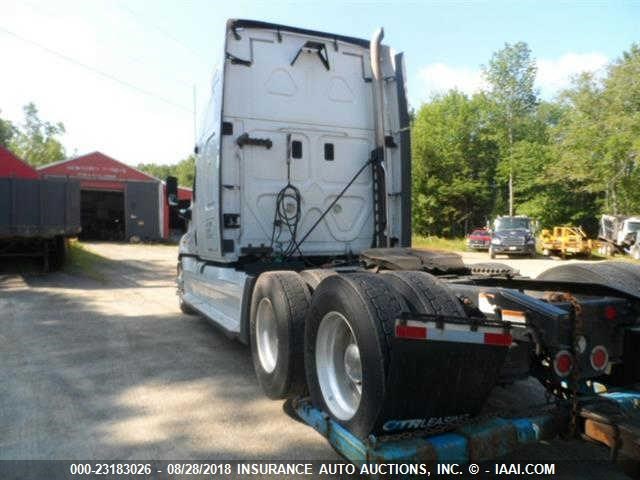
point(279, 305)
point(335, 344)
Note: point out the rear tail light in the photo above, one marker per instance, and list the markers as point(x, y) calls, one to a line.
point(599, 358)
point(563, 363)
point(610, 312)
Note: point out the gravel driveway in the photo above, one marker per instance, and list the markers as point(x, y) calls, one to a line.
point(114, 370)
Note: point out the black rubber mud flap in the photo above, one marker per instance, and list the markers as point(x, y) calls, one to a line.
point(437, 383)
point(289, 298)
point(407, 383)
point(425, 293)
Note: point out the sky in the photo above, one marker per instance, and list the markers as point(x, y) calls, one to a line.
point(125, 76)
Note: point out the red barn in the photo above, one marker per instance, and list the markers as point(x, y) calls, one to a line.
point(118, 202)
point(12, 166)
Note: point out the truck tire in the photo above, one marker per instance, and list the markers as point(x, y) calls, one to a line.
point(347, 347)
point(314, 276)
point(279, 305)
point(57, 253)
point(629, 273)
point(184, 306)
point(424, 293)
point(618, 275)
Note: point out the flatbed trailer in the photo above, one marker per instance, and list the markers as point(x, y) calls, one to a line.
point(599, 420)
point(565, 241)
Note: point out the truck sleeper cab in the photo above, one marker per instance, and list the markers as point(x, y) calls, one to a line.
point(290, 123)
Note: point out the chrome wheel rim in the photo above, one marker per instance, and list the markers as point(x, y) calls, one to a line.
point(338, 366)
point(267, 335)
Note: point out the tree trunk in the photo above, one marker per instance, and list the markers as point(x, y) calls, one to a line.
point(510, 193)
point(510, 169)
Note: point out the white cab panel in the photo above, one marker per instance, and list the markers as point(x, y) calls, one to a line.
point(214, 291)
point(326, 111)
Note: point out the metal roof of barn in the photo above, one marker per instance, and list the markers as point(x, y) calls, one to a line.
point(12, 166)
point(96, 166)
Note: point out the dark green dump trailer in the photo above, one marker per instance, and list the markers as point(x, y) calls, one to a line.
point(37, 217)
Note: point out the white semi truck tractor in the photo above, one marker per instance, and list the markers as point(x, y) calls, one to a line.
point(299, 245)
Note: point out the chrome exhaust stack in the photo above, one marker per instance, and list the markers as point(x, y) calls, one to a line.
point(378, 112)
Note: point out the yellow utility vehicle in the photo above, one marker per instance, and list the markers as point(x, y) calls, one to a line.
point(564, 241)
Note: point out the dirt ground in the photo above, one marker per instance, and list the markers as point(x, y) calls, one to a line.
point(113, 370)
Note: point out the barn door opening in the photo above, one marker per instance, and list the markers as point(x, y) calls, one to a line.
point(102, 215)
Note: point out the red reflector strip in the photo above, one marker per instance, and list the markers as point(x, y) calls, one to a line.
point(408, 331)
point(497, 339)
point(413, 330)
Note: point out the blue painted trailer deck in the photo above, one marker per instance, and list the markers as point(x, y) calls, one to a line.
point(472, 443)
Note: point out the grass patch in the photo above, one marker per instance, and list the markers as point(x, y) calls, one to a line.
point(81, 261)
point(595, 255)
point(439, 243)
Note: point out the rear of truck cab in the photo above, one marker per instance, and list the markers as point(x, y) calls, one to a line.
point(292, 106)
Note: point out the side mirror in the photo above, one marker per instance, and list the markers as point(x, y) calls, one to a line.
point(185, 213)
point(172, 191)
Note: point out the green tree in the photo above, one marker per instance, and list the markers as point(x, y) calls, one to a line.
point(511, 74)
point(454, 157)
point(36, 141)
point(6, 132)
point(158, 171)
point(184, 170)
point(598, 139)
point(571, 159)
point(622, 128)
